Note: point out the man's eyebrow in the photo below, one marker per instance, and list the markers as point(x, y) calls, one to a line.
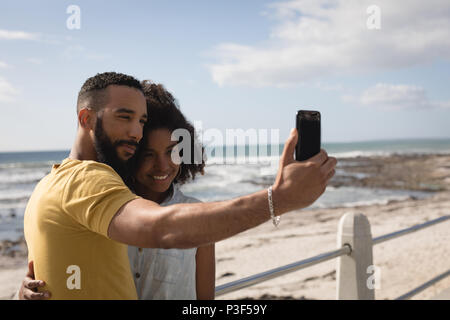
point(124, 110)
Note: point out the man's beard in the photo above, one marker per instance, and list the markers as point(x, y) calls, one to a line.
point(107, 152)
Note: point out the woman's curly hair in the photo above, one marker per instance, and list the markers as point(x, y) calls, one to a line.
point(164, 113)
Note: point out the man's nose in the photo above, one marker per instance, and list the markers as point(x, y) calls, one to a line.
point(135, 131)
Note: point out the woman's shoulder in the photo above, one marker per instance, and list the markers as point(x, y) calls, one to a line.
point(182, 198)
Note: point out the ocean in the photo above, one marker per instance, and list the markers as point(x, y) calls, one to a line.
point(229, 173)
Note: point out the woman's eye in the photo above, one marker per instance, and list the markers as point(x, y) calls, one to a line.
point(125, 117)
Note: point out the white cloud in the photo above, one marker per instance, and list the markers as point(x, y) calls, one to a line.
point(317, 38)
point(7, 91)
point(3, 64)
point(395, 97)
point(17, 35)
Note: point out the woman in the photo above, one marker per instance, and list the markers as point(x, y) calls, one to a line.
point(167, 273)
point(156, 176)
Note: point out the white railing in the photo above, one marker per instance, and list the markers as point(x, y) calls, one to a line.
point(355, 258)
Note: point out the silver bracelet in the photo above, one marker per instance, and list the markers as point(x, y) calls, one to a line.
point(275, 219)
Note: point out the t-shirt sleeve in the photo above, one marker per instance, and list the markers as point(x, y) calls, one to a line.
point(93, 195)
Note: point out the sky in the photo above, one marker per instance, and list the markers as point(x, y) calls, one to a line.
point(375, 69)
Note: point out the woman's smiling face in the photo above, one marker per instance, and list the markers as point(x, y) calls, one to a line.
point(156, 170)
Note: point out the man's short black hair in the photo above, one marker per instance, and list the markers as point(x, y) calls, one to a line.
point(92, 94)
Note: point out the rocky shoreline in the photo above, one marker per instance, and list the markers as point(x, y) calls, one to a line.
point(406, 172)
point(416, 172)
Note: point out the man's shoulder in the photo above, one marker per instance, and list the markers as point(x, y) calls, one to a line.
point(85, 168)
point(73, 173)
point(73, 164)
point(83, 178)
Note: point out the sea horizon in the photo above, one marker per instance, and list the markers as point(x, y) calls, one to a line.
point(324, 144)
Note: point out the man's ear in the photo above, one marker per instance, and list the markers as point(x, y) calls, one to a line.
point(86, 118)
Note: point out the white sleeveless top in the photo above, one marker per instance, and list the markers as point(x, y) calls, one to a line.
point(165, 274)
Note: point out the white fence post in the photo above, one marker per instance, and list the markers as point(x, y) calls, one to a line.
point(352, 270)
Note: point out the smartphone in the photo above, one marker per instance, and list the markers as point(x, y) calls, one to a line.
point(308, 127)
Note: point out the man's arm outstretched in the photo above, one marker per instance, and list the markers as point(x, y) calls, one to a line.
point(298, 184)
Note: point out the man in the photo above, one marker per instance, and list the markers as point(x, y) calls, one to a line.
point(81, 216)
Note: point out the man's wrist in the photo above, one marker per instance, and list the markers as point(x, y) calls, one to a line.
point(275, 219)
point(278, 204)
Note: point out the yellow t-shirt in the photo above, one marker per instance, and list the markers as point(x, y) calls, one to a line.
point(66, 229)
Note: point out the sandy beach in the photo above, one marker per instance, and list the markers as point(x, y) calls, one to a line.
point(405, 262)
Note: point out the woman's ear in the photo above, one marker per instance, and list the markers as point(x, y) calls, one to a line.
point(86, 118)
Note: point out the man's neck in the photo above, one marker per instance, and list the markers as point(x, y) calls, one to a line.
point(82, 149)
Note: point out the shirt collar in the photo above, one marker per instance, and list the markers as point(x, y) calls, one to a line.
point(173, 193)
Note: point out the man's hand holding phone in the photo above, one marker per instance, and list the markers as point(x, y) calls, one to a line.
point(300, 183)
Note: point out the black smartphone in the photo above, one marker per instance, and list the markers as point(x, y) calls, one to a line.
point(308, 127)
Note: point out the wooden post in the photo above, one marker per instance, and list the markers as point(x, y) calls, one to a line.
point(353, 270)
